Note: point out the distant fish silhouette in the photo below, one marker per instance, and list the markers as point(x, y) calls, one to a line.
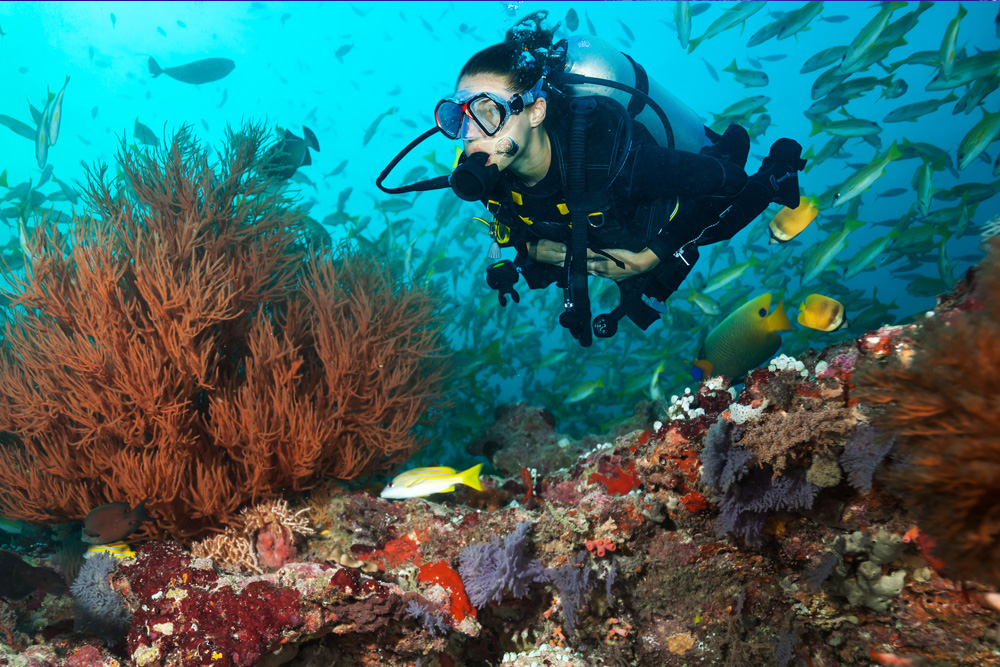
point(18, 579)
point(200, 71)
point(281, 161)
point(112, 522)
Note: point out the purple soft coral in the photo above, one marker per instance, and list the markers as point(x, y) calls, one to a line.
point(501, 564)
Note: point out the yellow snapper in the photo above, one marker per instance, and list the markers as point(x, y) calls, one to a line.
point(978, 138)
point(115, 549)
point(744, 340)
point(789, 222)
point(822, 313)
point(421, 482)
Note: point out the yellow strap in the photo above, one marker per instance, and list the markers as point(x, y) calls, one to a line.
point(562, 208)
point(677, 207)
point(516, 196)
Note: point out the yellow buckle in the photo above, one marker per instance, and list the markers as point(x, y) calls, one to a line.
point(499, 232)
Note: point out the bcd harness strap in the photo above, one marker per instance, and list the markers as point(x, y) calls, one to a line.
point(586, 208)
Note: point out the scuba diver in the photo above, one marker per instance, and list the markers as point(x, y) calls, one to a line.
point(590, 168)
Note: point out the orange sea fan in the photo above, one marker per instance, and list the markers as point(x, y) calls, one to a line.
point(944, 407)
point(190, 349)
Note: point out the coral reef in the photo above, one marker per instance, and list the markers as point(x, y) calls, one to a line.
point(769, 525)
point(191, 350)
point(942, 402)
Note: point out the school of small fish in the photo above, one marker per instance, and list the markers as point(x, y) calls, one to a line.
point(820, 259)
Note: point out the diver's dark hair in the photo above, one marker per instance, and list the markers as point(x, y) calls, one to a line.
point(520, 57)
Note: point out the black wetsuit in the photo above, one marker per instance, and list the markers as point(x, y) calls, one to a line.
point(669, 201)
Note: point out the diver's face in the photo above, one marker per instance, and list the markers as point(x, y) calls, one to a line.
point(515, 130)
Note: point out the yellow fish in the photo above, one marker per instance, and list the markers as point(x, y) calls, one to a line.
point(744, 340)
point(115, 549)
point(425, 481)
point(822, 313)
point(789, 222)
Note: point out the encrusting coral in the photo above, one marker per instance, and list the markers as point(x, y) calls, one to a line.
point(193, 350)
point(943, 405)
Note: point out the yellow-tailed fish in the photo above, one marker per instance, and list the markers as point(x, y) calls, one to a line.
point(759, 126)
point(924, 188)
point(583, 391)
point(682, 17)
point(826, 83)
point(822, 313)
point(863, 178)
point(722, 278)
point(868, 36)
point(55, 114)
point(707, 304)
point(42, 137)
point(654, 383)
point(851, 127)
point(979, 137)
point(744, 340)
point(748, 77)
point(916, 111)
point(865, 258)
point(115, 549)
point(421, 482)
point(823, 59)
point(967, 70)
point(795, 21)
point(827, 250)
point(789, 222)
point(731, 16)
point(947, 57)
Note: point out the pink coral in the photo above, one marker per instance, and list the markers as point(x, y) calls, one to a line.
point(274, 546)
point(600, 547)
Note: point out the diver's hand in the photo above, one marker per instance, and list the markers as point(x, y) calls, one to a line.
point(635, 263)
point(547, 252)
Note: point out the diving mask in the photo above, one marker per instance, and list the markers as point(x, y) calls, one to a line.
point(489, 111)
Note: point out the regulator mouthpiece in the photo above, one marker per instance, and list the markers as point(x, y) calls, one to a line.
point(473, 180)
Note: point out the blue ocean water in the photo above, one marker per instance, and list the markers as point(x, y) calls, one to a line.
point(338, 67)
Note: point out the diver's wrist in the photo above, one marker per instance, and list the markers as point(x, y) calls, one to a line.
point(648, 259)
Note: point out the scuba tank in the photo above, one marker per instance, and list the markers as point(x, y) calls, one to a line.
point(594, 58)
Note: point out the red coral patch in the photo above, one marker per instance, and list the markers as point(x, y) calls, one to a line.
point(620, 481)
point(439, 572)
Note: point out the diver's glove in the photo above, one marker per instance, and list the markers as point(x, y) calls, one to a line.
point(779, 172)
point(501, 276)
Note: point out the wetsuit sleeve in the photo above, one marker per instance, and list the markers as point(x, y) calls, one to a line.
point(657, 172)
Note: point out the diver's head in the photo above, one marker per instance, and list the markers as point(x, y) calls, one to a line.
point(489, 117)
point(499, 103)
